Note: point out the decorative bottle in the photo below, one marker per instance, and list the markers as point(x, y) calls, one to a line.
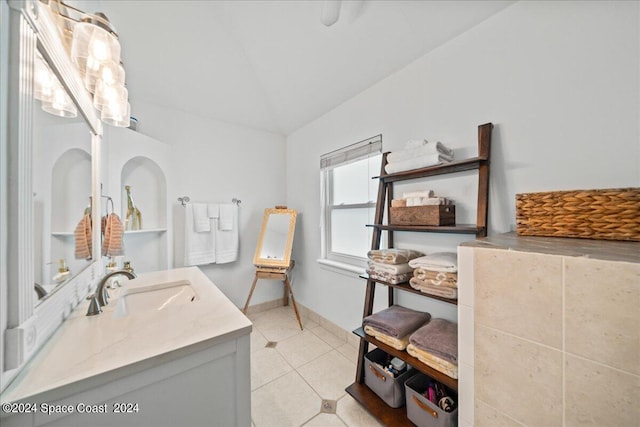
point(133, 220)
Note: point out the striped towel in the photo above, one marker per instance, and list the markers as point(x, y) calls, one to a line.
point(112, 244)
point(82, 235)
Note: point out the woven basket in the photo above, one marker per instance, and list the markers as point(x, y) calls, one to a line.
point(609, 214)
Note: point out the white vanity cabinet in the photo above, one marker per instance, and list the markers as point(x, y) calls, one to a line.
point(186, 364)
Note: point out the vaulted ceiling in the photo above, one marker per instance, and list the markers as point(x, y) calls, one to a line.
point(273, 65)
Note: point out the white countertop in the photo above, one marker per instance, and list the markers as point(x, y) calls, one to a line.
point(98, 348)
point(608, 250)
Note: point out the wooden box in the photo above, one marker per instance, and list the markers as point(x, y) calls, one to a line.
point(423, 215)
point(608, 214)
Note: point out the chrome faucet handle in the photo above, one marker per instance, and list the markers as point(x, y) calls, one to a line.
point(94, 307)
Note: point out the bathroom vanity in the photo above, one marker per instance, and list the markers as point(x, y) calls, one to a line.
point(169, 349)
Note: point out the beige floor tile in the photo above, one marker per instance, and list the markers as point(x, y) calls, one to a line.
point(267, 365)
point(328, 337)
point(325, 420)
point(600, 396)
point(349, 351)
point(302, 348)
point(287, 401)
point(258, 341)
point(353, 414)
point(277, 325)
point(329, 374)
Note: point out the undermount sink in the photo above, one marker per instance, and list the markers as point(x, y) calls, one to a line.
point(155, 297)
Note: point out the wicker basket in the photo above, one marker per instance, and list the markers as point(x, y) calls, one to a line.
point(608, 214)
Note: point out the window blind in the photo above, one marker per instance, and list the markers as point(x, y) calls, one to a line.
point(351, 152)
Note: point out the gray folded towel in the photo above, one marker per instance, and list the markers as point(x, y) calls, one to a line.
point(438, 337)
point(397, 321)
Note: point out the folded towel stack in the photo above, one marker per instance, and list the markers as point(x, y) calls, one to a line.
point(436, 345)
point(417, 155)
point(436, 274)
point(394, 325)
point(420, 198)
point(391, 265)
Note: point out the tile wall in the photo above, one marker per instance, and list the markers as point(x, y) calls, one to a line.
point(548, 339)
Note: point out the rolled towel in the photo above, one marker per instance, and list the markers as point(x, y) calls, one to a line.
point(417, 163)
point(426, 193)
point(419, 151)
point(436, 278)
point(438, 261)
point(389, 268)
point(393, 255)
point(396, 321)
point(435, 362)
point(441, 291)
point(397, 343)
point(438, 337)
point(394, 279)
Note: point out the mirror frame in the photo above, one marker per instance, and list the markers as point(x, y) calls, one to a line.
point(270, 262)
point(32, 28)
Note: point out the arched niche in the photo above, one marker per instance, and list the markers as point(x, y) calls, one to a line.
point(146, 249)
point(70, 189)
point(148, 189)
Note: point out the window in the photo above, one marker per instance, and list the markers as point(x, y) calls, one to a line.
point(349, 201)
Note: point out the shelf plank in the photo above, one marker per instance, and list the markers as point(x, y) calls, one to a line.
point(393, 417)
point(144, 231)
point(407, 288)
point(427, 370)
point(445, 168)
point(459, 229)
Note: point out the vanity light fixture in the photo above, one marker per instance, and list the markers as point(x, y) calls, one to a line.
point(94, 49)
point(48, 90)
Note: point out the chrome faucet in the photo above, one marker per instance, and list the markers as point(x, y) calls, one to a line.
point(101, 298)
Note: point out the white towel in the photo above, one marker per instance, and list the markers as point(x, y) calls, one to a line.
point(213, 209)
point(446, 262)
point(416, 163)
point(227, 234)
point(227, 213)
point(425, 193)
point(421, 150)
point(199, 248)
point(201, 221)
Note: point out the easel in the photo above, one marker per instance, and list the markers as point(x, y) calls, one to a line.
point(276, 273)
point(273, 253)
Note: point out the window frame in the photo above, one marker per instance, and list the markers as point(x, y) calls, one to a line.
point(361, 150)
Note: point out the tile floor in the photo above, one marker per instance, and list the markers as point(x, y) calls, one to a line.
point(298, 377)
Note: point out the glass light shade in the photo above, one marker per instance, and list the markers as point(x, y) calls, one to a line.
point(60, 104)
point(44, 81)
point(92, 45)
point(117, 115)
point(109, 94)
point(108, 72)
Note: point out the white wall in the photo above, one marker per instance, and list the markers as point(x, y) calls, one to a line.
point(217, 161)
point(560, 81)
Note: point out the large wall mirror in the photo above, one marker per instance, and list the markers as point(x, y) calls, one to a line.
point(50, 178)
point(276, 238)
point(61, 184)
